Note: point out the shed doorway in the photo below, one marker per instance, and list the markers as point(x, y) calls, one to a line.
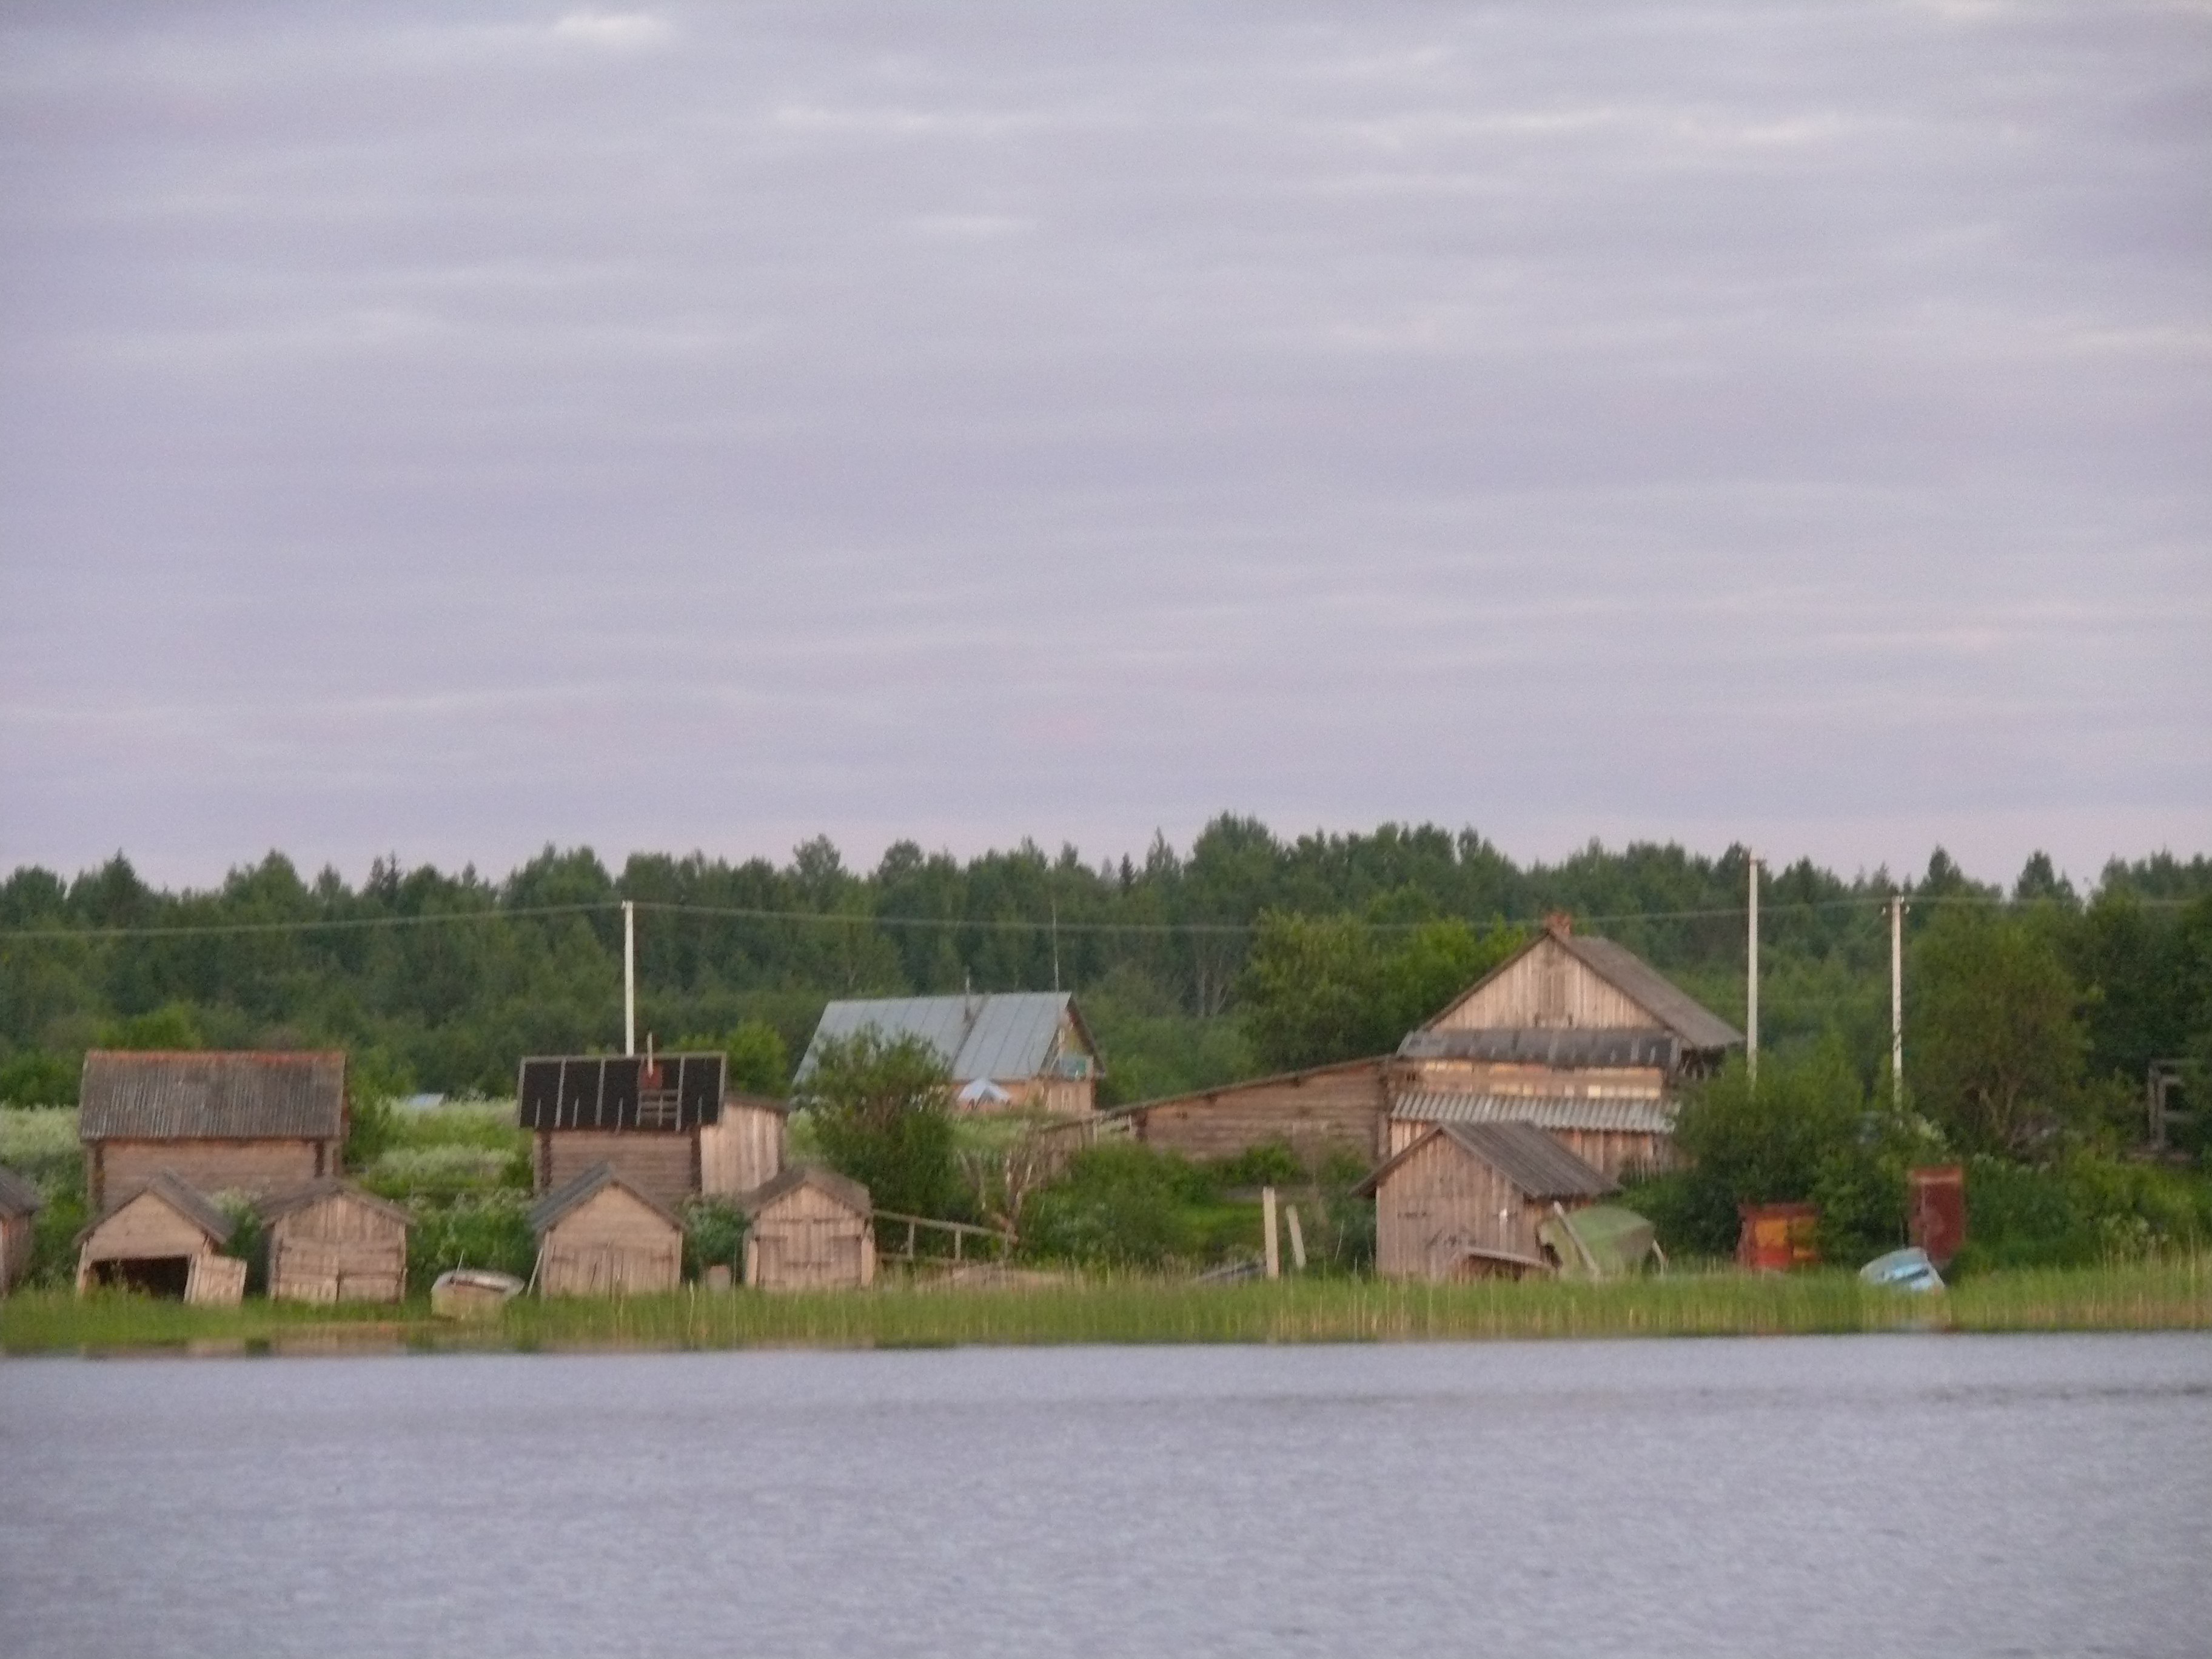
point(164, 1276)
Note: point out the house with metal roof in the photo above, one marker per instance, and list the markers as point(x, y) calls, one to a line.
point(1006, 1050)
point(254, 1123)
point(1466, 1201)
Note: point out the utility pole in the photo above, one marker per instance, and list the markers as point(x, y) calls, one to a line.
point(1897, 1001)
point(629, 977)
point(1751, 980)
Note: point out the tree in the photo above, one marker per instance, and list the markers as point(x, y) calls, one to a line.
point(881, 1113)
point(1995, 1045)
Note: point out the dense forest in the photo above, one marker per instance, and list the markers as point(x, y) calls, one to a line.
point(1194, 967)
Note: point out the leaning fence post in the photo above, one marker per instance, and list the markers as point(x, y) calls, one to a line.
point(1298, 1237)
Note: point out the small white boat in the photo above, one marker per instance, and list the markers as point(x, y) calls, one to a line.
point(1903, 1270)
point(472, 1293)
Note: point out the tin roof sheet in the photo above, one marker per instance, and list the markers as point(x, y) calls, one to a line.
point(1531, 1160)
point(998, 1034)
point(1622, 1114)
point(1550, 1045)
point(1667, 1002)
point(246, 1095)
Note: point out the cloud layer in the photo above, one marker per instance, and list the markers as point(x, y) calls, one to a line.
point(447, 429)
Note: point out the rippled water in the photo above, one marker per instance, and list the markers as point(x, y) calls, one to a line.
point(1866, 1495)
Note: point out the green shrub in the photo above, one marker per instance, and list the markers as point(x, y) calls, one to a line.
point(714, 1235)
point(2079, 1213)
point(1120, 1205)
point(37, 1079)
point(490, 1229)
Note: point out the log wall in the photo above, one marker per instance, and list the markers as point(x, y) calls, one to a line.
point(663, 1165)
point(1342, 1108)
point(610, 1245)
point(259, 1168)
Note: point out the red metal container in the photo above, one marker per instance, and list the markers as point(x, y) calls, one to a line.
point(1776, 1238)
point(1935, 1211)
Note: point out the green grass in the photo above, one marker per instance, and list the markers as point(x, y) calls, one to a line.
point(2168, 1295)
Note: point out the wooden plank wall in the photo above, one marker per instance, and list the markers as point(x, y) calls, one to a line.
point(261, 1167)
point(661, 1164)
point(807, 1240)
point(145, 1229)
point(14, 1250)
point(610, 1245)
point(1440, 1201)
point(1547, 987)
point(1316, 1114)
point(743, 1152)
point(1612, 1152)
point(337, 1249)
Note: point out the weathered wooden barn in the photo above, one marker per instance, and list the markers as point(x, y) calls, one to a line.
point(600, 1236)
point(1320, 1112)
point(20, 1204)
point(809, 1229)
point(663, 1122)
point(164, 1239)
point(332, 1242)
point(256, 1123)
point(1007, 1051)
point(1617, 1134)
point(1464, 1201)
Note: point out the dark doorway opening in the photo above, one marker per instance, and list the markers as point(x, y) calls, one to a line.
point(148, 1275)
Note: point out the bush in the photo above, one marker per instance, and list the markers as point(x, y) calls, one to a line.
point(1119, 1205)
point(37, 1080)
point(880, 1115)
point(2081, 1211)
point(714, 1237)
point(490, 1230)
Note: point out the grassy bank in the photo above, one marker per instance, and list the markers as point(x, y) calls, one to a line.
point(2171, 1295)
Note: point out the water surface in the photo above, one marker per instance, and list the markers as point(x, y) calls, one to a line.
point(1858, 1495)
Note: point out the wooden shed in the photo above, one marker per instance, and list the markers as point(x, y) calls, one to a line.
point(257, 1123)
point(1464, 1201)
point(1316, 1112)
point(809, 1229)
point(163, 1239)
point(20, 1204)
point(599, 1236)
point(332, 1242)
point(664, 1122)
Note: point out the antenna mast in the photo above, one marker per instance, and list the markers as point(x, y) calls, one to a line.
point(1751, 979)
point(629, 977)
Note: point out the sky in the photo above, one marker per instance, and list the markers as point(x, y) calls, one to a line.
point(438, 431)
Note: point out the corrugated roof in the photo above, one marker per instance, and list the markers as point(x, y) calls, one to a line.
point(1667, 1002)
point(212, 1097)
point(187, 1201)
point(573, 1192)
point(998, 1034)
point(18, 1196)
point(843, 1189)
point(1549, 1045)
point(1524, 1154)
point(1631, 1115)
point(677, 1092)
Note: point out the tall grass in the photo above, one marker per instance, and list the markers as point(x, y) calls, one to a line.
point(2168, 1295)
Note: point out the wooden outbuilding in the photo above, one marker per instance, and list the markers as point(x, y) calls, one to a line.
point(1464, 1200)
point(20, 1204)
point(599, 1236)
point(1317, 1112)
point(1616, 1134)
point(163, 1239)
point(1006, 1051)
point(332, 1242)
point(809, 1229)
point(255, 1123)
point(663, 1122)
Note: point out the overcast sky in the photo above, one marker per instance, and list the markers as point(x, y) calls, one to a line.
point(447, 429)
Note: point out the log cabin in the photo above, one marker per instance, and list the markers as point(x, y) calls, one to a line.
point(1006, 1051)
point(20, 1204)
point(162, 1239)
point(249, 1123)
point(600, 1236)
point(332, 1242)
point(809, 1229)
point(1318, 1113)
point(664, 1122)
point(1464, 1201)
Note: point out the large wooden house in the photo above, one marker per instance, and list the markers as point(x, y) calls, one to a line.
point(663, 1123)
point(20, 1204)
point(1007, 1051)
point(809, 1229)
point(332, 1242)
point(162, 1239)
point(1465, 1201)
point(255, 1123)
point(600, 1236)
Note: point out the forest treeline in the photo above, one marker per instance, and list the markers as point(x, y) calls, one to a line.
point(1194, 967)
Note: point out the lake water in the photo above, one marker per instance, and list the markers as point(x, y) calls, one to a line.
point(1860, 1496)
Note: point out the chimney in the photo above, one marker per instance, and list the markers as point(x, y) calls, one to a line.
point(1558, 924)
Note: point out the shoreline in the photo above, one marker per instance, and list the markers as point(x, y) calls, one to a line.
point(2174, 1295)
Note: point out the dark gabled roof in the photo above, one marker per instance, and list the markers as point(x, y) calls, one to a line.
point(1548, 1045)
point(620, 1091)
point(1525, 1155)
point(279, 1205)
point(848, 1192)
point(187, 1201)
point(1373, 1062)
point(1698, 1026)
point(993, 1034)
point(18, 1197)
point(1645, 1114)
point(549, 1210)
point(246, 1095)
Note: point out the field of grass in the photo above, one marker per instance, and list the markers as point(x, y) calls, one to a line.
point(2168, 1295)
